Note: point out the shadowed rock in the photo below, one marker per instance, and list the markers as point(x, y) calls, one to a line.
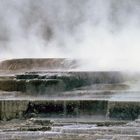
point(124, 110)
point(67, 108)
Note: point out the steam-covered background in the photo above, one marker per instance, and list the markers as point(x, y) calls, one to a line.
point(104, 32)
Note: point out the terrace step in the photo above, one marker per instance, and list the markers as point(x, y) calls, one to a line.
point(29, 64)
point(120, 110)
point(40, 82)
point(67, 94)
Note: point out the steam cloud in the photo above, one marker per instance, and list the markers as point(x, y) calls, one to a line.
point(104, 32)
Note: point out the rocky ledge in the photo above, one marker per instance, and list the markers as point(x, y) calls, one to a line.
point(50, 99)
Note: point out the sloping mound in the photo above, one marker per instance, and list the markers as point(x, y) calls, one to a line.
point(37, 64)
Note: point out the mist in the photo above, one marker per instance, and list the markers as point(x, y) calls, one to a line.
point(103, 33)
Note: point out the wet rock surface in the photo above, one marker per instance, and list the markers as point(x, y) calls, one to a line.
point(70, 129)
point(48, 104)
point(58, 81)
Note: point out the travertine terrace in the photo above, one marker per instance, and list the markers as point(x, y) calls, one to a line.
point(52, 99)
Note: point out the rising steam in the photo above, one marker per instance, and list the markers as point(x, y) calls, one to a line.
point(104, 32)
